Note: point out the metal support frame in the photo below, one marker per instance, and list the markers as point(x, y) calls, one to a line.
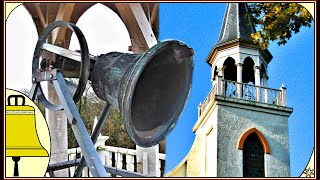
point(112, 170)
point(90, 156)
point(87, 147)
point(101, 122)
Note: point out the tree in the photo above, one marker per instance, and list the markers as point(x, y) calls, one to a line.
point(90, 106)
point(116, 131)
point(277, 21)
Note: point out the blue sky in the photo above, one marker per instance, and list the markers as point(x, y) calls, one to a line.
point(198, 25)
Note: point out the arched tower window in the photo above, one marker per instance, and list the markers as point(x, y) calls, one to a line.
point(248, 71)
point(253, 157)
point(254, 146)
point(230, 69)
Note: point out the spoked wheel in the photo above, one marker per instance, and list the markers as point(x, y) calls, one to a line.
point(45, 70)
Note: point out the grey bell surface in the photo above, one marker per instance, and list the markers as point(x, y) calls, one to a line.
point(149, 89)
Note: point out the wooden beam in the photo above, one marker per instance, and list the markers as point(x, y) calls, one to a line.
point(40, 15)
point(49, 10)
point(64, 14)
point(138, 26)
point(155, 14)
point(155, 20)
point(35, 16)
point(143, 24)
point(65, 11)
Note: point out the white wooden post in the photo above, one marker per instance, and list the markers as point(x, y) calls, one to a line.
point(283, 95)
point(219, 86)
point(239, 80)
point(85, 172)
point(130, 162)
point(119, 158)
point(72, 157)
point(145, 163)
point(102, 156)
point(257, 83)
point(265, 85)
point(108, 157)
point(159, 166)
point(57, 121)
point(100, 142)
point(220, 72)
point(199, 110)
point(257, 76)
point(266, 95)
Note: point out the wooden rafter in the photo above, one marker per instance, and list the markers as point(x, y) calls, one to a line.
point(138, 26)
point(147, 13)
point(39, 14)
point(64, 14)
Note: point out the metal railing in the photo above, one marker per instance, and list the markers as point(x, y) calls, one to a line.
point(116, 157)
point(244, 91)
point(210, 96)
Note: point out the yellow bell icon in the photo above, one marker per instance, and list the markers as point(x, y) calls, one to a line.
point(21, 134)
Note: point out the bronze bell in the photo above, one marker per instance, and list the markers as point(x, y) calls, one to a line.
point(149, 89)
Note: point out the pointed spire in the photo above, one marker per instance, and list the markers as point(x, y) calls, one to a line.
point(236, 30)
point(236, 23)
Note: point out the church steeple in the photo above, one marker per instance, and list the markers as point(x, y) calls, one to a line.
point(236, 32)
point(236, 57)
point(242, 126)
point(236, 23)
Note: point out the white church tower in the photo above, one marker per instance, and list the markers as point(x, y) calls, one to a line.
point(242, 127)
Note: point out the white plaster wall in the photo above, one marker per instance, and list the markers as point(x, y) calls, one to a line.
point(238, 53)
point(208, 131)
point(211, 129)
point(233, 122)
point(222, 55)
point(211, 153)
point(248, 52)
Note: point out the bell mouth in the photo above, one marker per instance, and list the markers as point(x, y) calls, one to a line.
point(160, 92)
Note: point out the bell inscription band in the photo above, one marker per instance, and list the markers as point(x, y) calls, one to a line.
point(21, 134)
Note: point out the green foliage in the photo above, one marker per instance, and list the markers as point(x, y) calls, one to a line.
point(277, 21)
point(116, 131)
point(90, 106)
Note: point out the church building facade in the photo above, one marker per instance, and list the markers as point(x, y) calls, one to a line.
point(242, 126)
